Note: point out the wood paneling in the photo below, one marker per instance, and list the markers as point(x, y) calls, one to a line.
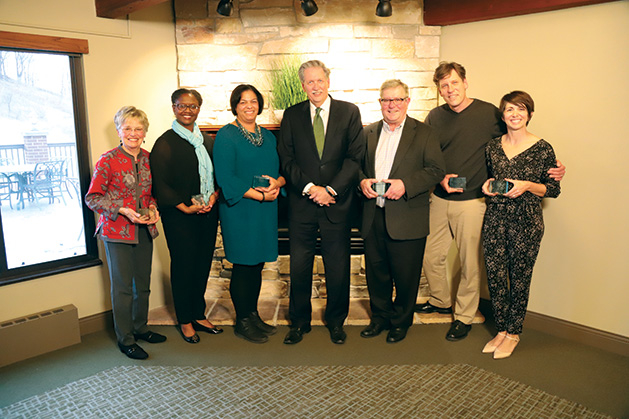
point(452, 12)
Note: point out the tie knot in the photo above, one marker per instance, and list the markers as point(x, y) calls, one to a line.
point(318, 111)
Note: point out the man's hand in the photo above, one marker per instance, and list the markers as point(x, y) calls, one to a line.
point(557, 173)
point(396, 190)
point(367, 190)
point(320, 196)
point(446, 187)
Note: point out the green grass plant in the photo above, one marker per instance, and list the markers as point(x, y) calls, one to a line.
point(284, 82)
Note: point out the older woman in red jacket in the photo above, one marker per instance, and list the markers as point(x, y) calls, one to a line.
point(120, 192)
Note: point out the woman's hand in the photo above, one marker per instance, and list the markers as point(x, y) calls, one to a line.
point(272, 191)
point(271, 195)
point(132, 216)
point(485, 188)
point(522, 186)
point(154, 215)
point(519, 187)
point(213, 200)
point(273, 184)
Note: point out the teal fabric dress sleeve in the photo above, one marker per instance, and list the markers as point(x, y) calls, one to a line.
point(232, 186)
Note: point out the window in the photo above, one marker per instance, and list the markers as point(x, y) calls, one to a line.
point(45, 228)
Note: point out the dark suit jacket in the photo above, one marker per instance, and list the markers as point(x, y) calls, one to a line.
point(419, 164)
point(338, 167)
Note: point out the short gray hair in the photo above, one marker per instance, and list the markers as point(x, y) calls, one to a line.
point(127, 112)
point(312, 64)
point(393, 83)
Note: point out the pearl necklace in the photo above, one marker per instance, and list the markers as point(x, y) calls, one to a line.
point(254, 138)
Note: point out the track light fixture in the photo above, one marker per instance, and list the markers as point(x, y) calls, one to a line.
point(384, 8)
point(225, 7)
point(309, 7)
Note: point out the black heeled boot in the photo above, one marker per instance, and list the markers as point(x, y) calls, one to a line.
point(245, 329)
point(264, 327)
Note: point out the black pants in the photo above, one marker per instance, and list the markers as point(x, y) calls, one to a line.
point(244, 288)
point(512, 234)
point(130, 275)
point(335, 249)
point(191, 239)
point(392, 263)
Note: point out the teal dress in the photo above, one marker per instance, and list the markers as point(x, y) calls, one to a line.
point(249, 227)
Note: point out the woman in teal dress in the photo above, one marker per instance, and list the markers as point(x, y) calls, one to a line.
point(247, 170)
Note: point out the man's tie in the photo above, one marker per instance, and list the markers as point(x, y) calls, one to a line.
point(319, 133)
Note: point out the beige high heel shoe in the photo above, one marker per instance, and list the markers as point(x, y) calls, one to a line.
point(494, 343)
point(498, 354)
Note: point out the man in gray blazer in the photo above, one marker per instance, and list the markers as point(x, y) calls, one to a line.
point(321, 146)
point(403, 156)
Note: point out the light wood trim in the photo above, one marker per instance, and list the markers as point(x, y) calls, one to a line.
point(452, 12)
point(43, 42)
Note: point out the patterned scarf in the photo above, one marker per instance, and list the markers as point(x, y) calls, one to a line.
point(206, 169)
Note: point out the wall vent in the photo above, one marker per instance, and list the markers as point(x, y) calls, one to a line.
point(25, 337)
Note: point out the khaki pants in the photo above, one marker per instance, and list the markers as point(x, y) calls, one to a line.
point(461, 221)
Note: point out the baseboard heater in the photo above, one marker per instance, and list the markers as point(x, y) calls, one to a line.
point(38, 333)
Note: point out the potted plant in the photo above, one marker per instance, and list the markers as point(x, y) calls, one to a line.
point(285, 87)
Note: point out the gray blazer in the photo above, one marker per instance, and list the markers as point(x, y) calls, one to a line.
point(419, 164)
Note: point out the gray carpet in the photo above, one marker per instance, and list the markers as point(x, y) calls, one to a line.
point(400, 391)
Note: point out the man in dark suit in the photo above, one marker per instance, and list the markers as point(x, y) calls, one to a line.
point(404, 156)
point(321, 146)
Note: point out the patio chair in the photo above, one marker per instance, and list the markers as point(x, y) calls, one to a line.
point(48, 180)
point(6, 189)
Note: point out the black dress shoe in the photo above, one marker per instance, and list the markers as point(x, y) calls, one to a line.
point(296, 334)
point(133, 351)
point(150, 337)
point(245, 329)
point(190, 339)
point(261, 325)
point(427, 308)
point(374, 329)
point(458, 331)
point(396, 334)
point(211, 330)
point(337, 334)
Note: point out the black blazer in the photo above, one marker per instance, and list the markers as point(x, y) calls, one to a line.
point(338, 167)
point(419, 164)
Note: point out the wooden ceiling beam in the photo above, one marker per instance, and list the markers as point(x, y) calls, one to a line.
point(117, 8)
point(452, 12)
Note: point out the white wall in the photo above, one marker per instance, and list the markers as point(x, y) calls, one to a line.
point(131, 64)
point(575, 64)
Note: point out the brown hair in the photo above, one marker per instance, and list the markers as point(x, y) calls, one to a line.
point(444, 70)
point(518, 97)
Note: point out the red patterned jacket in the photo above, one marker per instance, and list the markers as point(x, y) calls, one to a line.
point(119, 182)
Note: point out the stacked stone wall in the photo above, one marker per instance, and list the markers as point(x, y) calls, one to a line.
point(216, 53)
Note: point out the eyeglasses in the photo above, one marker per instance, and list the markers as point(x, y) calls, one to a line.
point(129, 130)
point(396, 100)
point(183, 107)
